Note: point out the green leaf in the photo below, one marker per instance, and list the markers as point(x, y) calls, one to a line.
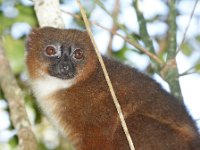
point(13, 142)
point(198, 38)
point(5, 22)
point(15, 53)
point(26, 14)
point(1, 94)
point(186, 49)
point(197, 67)
point(120, 54)
point(136, 36)
point(80, 22)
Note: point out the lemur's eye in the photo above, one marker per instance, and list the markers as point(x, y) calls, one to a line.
point(78, 53)
point(51, 51)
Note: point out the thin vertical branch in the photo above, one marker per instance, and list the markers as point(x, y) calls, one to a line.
point(14, 96)
point(172, 30)
point(170, 70)
point(114, 26)
point(143, 28)
point(118, 107)
point(186, 29)
point(145, 35)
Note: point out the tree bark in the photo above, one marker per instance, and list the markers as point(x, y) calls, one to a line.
point(14, 96)
point(48, 13)
point(170, 70)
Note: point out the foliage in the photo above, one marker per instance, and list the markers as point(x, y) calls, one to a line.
point(101, 12)
point(15, 47)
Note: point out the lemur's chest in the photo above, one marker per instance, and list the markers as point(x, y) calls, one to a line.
point(43, 90)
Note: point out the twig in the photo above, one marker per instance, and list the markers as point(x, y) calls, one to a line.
point(145, 35)
point(188, 72)
point(72, 14)
point(114, 27)
point(118, 107)
point(119, 25)
point(135, 44)
point(143, 28)
point(197, 119)
point(186, 29)
point(100, 4)
point(13, 94)
point(170, 71)
point(128, 40)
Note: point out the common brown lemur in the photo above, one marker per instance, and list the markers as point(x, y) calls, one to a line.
point(69, 85)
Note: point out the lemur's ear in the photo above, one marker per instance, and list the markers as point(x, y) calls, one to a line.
point(33, 34)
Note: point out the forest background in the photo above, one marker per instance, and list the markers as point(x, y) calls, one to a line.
point(158, 37)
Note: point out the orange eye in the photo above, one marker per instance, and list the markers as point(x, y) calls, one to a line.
point(78, 53)
point(50, 51)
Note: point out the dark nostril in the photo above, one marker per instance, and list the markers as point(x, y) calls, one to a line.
point(64, 68)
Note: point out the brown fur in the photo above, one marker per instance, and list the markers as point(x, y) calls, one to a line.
point(156, 120)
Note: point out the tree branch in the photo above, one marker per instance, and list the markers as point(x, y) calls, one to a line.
point(128, 40)
point(143, 28)
point(145, 35)
point(48, 13)
point(114, 14)
point(170, 71)
point(14, 96)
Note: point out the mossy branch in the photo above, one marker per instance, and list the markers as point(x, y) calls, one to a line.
point(170, 70)
point(14, 96)
point(145, 35)
point(143, 28)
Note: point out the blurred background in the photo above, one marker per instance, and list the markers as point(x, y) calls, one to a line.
point(17, 18)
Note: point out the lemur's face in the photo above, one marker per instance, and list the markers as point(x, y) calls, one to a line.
point(59, 53)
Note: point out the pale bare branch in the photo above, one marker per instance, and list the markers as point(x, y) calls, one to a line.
point(14, 96)
point(118, 107)
point(48, 13)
